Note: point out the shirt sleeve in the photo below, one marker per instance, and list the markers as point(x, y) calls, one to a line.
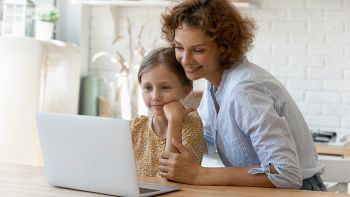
point(192, 136)
point(261, 115)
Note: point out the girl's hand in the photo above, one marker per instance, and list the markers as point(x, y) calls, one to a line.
point(175, 111)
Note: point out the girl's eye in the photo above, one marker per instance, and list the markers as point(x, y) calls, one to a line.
point(148, 88)
point(165, 87)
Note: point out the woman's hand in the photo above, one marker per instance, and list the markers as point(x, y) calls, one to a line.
point(180, 167)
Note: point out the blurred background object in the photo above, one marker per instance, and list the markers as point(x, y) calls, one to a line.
point(45, 17)
point(36, 76)
point(17, 18)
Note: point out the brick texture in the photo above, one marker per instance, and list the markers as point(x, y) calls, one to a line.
point(304, 43)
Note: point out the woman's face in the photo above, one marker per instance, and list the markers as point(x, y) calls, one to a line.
point(159, 87)
point(198, 55)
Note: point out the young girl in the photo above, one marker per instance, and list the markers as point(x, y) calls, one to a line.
point(164, 83)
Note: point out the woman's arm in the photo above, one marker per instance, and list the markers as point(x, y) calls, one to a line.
point(232, 176)
point(183, 168)
point(269, 120)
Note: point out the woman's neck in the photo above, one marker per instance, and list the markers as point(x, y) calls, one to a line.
point(160, 125)
point(215, 79)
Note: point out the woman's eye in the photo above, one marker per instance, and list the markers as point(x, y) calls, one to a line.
point(178, 48)
point(199, 50)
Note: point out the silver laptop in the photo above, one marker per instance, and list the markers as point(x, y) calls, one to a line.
point(92, 154)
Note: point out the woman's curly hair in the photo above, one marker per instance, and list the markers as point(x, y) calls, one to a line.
point(219, 20)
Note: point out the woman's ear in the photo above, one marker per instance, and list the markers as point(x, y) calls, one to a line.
point(221, 50)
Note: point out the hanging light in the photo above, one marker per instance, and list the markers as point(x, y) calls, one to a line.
point(17, 18)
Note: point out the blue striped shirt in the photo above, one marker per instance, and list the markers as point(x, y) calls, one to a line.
point(251, 119)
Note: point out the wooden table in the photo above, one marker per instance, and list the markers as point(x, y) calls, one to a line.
point(333, 150)
point(24, 181)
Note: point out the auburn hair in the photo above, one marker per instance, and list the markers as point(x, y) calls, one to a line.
point(219, 20)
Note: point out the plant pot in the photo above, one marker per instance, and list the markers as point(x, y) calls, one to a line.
point(43, 30)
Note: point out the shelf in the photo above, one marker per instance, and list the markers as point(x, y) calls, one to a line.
point(144, 3)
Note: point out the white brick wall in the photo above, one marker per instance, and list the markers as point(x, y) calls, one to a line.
point(304, 85)
point(324, 4)
point(304, 43)
point(325, 74)
point(302, 14)
point(323, 97)
point(345, 123)
point(310, 108)
point(325, 27)
point(285, 4)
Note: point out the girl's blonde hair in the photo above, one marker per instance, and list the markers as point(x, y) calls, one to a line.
point(164, 57)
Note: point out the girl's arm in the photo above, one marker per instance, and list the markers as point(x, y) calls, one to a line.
point(193, 137)
point(174, 131)
point(175, 113)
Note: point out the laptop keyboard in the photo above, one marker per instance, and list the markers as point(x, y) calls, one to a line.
point(146, 190)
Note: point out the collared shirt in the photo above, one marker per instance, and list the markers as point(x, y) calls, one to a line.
point(251, 119)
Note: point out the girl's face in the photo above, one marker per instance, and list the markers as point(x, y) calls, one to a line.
point(159, 87)
point(198, 55)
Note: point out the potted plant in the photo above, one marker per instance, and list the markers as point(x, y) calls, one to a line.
point(45, 17)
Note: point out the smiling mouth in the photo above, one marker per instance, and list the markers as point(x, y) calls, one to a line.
point(191, 69)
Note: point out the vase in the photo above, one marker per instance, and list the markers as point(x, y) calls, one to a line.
point(44, 30)
point(115, 99)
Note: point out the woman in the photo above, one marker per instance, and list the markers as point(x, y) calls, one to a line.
point(248, 116)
